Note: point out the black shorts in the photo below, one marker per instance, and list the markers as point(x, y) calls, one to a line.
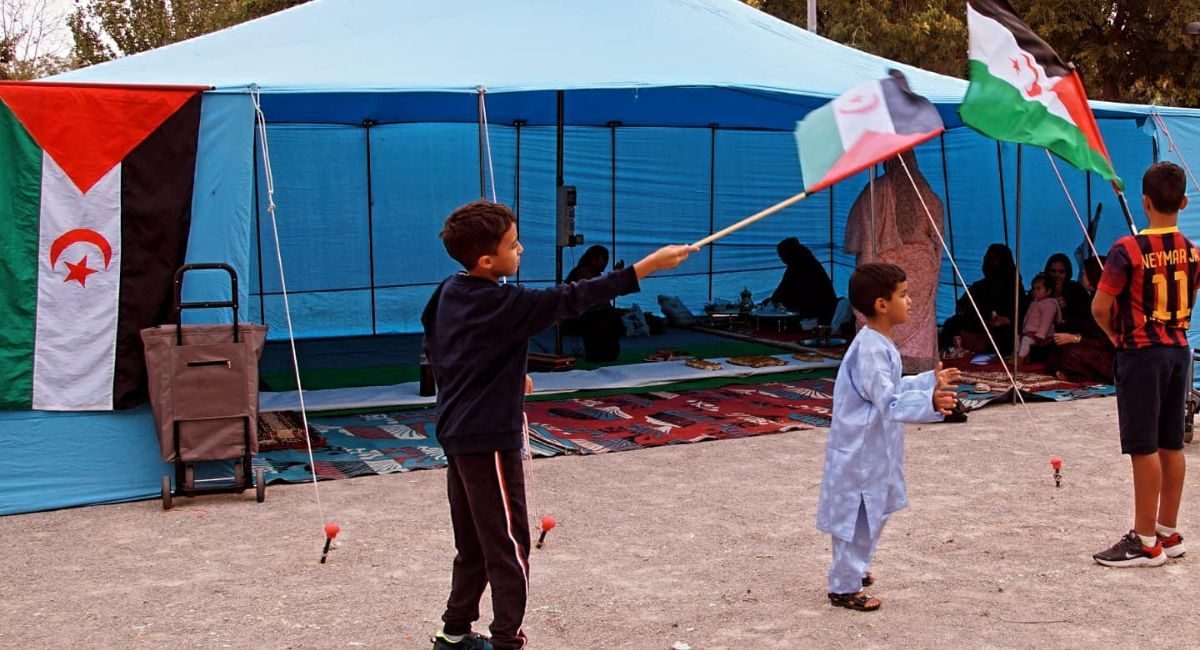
point(1151, 391)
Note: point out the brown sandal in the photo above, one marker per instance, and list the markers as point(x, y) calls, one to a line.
point(868, 579)
point(859, 602)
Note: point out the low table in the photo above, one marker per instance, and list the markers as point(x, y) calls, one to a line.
point(782, 319)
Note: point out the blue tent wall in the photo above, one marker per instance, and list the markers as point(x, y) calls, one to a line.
point(357, 265)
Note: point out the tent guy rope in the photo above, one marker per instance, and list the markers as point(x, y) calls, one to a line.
point(261, 123)
point(954, 264)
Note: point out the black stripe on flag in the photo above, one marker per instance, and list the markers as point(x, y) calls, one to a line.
point(156, 212)
point(911, 113)
point(1002, 12)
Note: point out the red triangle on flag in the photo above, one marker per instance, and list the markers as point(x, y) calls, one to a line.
point(87, 130)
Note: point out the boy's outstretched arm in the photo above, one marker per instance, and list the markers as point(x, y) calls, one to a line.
point(914, 399)
point(663, 259)
point(533, 311)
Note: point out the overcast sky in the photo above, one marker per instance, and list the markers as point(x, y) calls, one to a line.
point(58, 10)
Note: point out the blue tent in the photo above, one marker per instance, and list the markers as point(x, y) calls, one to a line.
point(676, 119)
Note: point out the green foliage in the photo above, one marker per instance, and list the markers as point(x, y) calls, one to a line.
point(1126, 50)
point(104, 29)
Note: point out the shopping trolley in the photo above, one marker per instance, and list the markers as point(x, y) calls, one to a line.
point(203, 382)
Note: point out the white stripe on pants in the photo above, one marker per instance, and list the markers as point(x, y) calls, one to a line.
point(852, 560)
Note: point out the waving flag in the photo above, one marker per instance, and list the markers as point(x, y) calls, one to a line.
point(868, 124)
point(1021, 91)
point(95, 203)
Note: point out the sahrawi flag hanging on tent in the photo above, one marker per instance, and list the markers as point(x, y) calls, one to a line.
point(95, 203)
point(866, 125)
point(1021, 91)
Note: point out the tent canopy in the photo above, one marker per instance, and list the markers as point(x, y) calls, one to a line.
point(660, 63)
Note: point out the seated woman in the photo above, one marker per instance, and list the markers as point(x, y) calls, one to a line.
point(600, 327)
point(805, 288)
point(1082, 352)
point(1073, 298)
point(997, 297)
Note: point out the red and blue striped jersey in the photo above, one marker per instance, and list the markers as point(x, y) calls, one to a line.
point(1153, 276)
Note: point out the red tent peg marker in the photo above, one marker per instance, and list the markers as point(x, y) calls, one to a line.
point(331, 531)
point(547, 525)
point(1056, 463)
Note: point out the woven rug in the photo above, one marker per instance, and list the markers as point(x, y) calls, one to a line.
point(384, 443)
point(401, 441)
point(1035, 385)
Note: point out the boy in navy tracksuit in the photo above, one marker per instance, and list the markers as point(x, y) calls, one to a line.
point(477, 335)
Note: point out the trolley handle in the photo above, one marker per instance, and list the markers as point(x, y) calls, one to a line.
point(207, 304)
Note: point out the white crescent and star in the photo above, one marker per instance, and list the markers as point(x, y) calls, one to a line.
point(858, 104)
point(80, 270)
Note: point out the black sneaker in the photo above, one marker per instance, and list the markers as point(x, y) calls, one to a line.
point(1129, 552)
point(472, 641)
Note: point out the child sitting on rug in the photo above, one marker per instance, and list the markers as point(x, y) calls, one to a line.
point(863, 481)
point(1043, 314)
point(477, 335)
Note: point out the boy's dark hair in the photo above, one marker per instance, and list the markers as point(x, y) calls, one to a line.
point(475, 230)
point(1043, 278)
point(1165, 185)
point(871, 281)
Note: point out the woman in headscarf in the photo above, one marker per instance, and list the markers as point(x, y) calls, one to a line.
point(1073, 299)
point(890, 224)
point(805, 288)
point(1001, 301)
point(600, 327)
point(1083, 352)
point(591, 264)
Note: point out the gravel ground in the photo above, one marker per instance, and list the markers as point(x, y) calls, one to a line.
point(712, 545)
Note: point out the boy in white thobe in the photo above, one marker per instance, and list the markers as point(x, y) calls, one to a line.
point(864, 457)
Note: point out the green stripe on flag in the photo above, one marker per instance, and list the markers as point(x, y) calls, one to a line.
point(20, 205)
point(820, 144)
point(998, 110)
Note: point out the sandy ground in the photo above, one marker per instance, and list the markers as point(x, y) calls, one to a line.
point(711, 544)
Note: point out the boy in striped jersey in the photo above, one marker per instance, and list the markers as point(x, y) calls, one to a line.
point(1144, 304)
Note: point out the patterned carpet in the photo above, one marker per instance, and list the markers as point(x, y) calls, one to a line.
point(383, 443)
point(1035, 385)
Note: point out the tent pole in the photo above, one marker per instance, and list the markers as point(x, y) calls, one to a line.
point(1016, 319)
point(517, 184)
point(612, 177)
point(1003, 203)
point(712, 190)
point(262, 290)
point(830, 233)
point(479, 130)
point(949, 213)
point(367, 124)
point(873, 257)
point(1090, 209)
point(558, 182)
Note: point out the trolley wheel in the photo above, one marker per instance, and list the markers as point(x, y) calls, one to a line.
point(260, 485)
point(166, 492)
point(189, 477)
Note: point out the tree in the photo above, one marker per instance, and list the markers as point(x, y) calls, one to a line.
point(28, 34)
point(105, 29)
point(1126, 50)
